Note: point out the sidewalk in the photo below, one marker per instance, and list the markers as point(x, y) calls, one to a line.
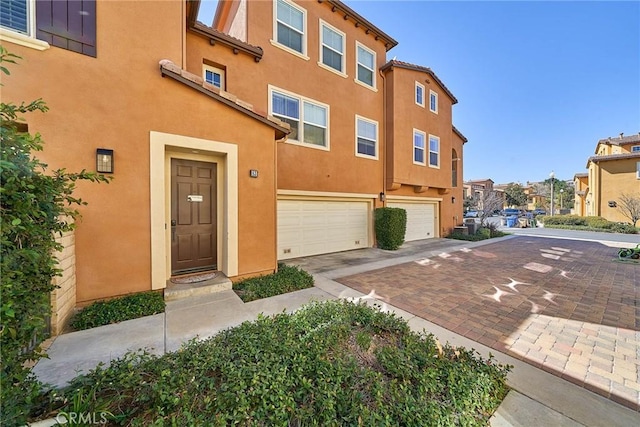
point(538, 397)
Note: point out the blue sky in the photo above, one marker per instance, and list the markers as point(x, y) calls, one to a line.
point(538, 82)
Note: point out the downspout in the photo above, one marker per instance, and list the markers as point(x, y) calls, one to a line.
point(384, 138)
point(183, 37)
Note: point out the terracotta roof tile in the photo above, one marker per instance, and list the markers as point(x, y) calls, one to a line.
point(621, 140)
point(170, 69)
point(464, 138)
point(609, 157)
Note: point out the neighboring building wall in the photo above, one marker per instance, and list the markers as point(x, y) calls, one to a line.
point(116, 100)
point(63, 298)
point(611, 179)
point(581, 191)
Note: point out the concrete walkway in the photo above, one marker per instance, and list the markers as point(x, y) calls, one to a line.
point(538, 397)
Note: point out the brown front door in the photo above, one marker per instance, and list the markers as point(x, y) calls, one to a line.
point(193, 216)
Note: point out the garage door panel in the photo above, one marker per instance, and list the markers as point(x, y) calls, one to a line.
point(420, 220)
point(311, 227)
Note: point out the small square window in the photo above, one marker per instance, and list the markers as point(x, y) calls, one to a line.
point(433, 101)
point(635, 149)
point(214, 76)
point(419, 138)
point(420, 94)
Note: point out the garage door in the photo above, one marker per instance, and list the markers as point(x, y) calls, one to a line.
point(311, 227)
point(420, 220)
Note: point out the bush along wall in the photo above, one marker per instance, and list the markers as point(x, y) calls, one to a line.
point(391, 225)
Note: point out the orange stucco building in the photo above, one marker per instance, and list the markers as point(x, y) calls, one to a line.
point(272, 132)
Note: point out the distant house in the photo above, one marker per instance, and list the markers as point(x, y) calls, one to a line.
point(478, 189)
point(612, 171)
point(272, 132)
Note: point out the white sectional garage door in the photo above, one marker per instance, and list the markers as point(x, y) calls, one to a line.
point(420, 219)
point(312, 227)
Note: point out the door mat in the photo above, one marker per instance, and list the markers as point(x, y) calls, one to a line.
point(194, 278)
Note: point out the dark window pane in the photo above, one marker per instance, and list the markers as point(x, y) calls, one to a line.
point(366, 147)
point(289, 38)
point(418, 155)
point(314, 135)
point(365, 75)
point(13, 15)
point(331, 58)
point(433, 159)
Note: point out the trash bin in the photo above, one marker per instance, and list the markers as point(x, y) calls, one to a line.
point(512, 221)
point(471, 225)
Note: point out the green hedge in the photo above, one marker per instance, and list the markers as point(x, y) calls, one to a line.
point(117, 310)
point(288, 279)
point(391, 226)
point(587, 223)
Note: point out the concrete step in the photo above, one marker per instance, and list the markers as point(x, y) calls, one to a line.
point(176, 291)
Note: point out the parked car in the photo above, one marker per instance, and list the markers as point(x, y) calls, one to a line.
point(512, 212)
point(539, 212)
point(471, 214)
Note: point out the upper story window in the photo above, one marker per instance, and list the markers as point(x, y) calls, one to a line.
point(65, 24)
point(434, 151)
point(332, 47)
point(433, 101)
point(366, 138)
point(214, 76)
point(635, 148)
point(289, 28)
point(365, 66)
point(420, 94)
point(419, 139)
point(309, 119)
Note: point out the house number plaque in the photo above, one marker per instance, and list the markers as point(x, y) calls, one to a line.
point(194, 198)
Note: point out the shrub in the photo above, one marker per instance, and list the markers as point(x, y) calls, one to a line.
point(331, 363)
point(588, 223)
point(621, 227)
point(34, 207)
point(391, 226)
point(287, 279)
point(118, 309)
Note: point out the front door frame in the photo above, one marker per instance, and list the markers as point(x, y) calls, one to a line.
point(164, 147)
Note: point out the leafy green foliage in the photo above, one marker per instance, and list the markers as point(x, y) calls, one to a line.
point(118, 309)
point(391, 226)
point(287, 279)
point(587, 223)
point(515, 195)
point(488, 231)
point(328, 364)
point(34, 208)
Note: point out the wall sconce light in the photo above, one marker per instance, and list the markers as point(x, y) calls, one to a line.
point(104, 160)
point(453, 199)
point(612, 204)
point(382, 196)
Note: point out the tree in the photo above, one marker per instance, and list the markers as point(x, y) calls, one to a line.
point(491, 201)
point(629, 204)
point(34, 208)
point(514, 195)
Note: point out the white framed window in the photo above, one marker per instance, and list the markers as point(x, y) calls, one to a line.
point(366, 138)
point(419, 139)
point(214, 76)
point(309, 119)
point(419, 94)
point(332, 48)
point(18, 24)
point(289, 27)
point(635, 148)
point(365, 66)
point(433, 101)
point(434, 151)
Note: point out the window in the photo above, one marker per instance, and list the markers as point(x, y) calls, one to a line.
point(365, 64)
point(366, 138)
point(418, 147)
point(214, 76)
point(433, 101)
point(420, 94)
point(635, 148)
point(289, 28)
point(434, 151)
point(68, 25)
point(308, 119)
point(332, 47)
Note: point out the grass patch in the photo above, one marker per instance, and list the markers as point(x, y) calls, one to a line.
point(116, 310)
point(287, 279)
point(328, 364)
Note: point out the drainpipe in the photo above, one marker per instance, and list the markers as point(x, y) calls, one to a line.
point(384, 137)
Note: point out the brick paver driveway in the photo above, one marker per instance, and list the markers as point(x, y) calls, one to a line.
point(566, 306)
